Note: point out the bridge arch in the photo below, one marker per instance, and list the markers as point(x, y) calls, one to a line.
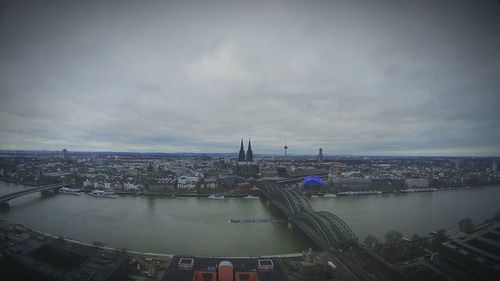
point(291, 199)
point(325, 228)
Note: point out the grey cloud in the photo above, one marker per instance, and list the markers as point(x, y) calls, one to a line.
point(357, 77)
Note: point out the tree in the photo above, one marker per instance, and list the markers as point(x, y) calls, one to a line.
point(441, 232)
point(393, 238)
point(466, 225)
point(371, 240)
point(416, 238)
point(496, 217)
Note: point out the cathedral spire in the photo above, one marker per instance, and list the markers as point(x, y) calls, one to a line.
point(241, 156)
point(249, 152)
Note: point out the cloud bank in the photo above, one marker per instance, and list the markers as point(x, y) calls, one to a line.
point(352, 77)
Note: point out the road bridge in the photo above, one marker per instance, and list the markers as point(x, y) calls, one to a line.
point(5, 198)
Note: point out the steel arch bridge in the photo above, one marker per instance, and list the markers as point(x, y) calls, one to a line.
point(330, 229)
point(325, 228)
point(290, 201)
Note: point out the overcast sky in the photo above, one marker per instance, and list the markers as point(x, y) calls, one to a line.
point(393, 77)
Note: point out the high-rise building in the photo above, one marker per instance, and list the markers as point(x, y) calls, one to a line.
point(64, 154)
point(320, 155)
point(494, 167)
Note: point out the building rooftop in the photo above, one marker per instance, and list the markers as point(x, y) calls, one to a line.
point(54, 259)
point(186, 267)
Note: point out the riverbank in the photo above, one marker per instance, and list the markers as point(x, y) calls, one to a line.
point(354, 192)
point(175, 194)
point(19, 230)
point(308, 265)
point(141, 264)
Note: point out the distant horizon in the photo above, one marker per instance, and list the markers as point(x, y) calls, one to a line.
point(387, 77)
point(255, 154)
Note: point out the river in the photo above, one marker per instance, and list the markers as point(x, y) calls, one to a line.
point(199, 226)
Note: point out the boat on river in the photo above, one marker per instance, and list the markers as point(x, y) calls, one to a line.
point(347, 193)
point(102, 193)
point(368, 192)
point(254, 220)
point(329, 195)
point(356, 193)
point(216, 197)
point(411, 190)
point(71, 191)
point(251, 197)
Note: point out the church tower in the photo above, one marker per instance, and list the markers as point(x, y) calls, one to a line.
point(246, 167)
point(241, 156)
point(249, 152)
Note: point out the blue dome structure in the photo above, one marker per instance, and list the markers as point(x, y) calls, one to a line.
point(313, 181)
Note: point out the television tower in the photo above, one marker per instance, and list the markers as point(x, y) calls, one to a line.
point(286, 147)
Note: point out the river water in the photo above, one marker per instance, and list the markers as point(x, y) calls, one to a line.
point(199, 226)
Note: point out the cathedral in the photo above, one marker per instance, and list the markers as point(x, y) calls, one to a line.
point(246, 167)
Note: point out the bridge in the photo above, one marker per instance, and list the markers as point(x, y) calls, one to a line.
point(5, 198)
point(326, 229)
point(332, 234)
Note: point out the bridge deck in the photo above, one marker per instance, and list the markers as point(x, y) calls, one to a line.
point(7, 197)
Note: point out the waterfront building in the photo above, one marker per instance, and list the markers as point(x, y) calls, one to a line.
point(353, 184)
point(210, 182)
point(162, 184)
point(130, 186)
point(87, 183)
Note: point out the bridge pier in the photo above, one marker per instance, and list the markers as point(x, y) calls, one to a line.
point(290, 225)
point(4, 206)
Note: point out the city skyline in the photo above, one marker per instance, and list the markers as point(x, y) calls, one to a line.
point(418, 78)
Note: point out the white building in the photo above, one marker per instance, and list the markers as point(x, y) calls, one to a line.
point(87, 183)
point(130, 186)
